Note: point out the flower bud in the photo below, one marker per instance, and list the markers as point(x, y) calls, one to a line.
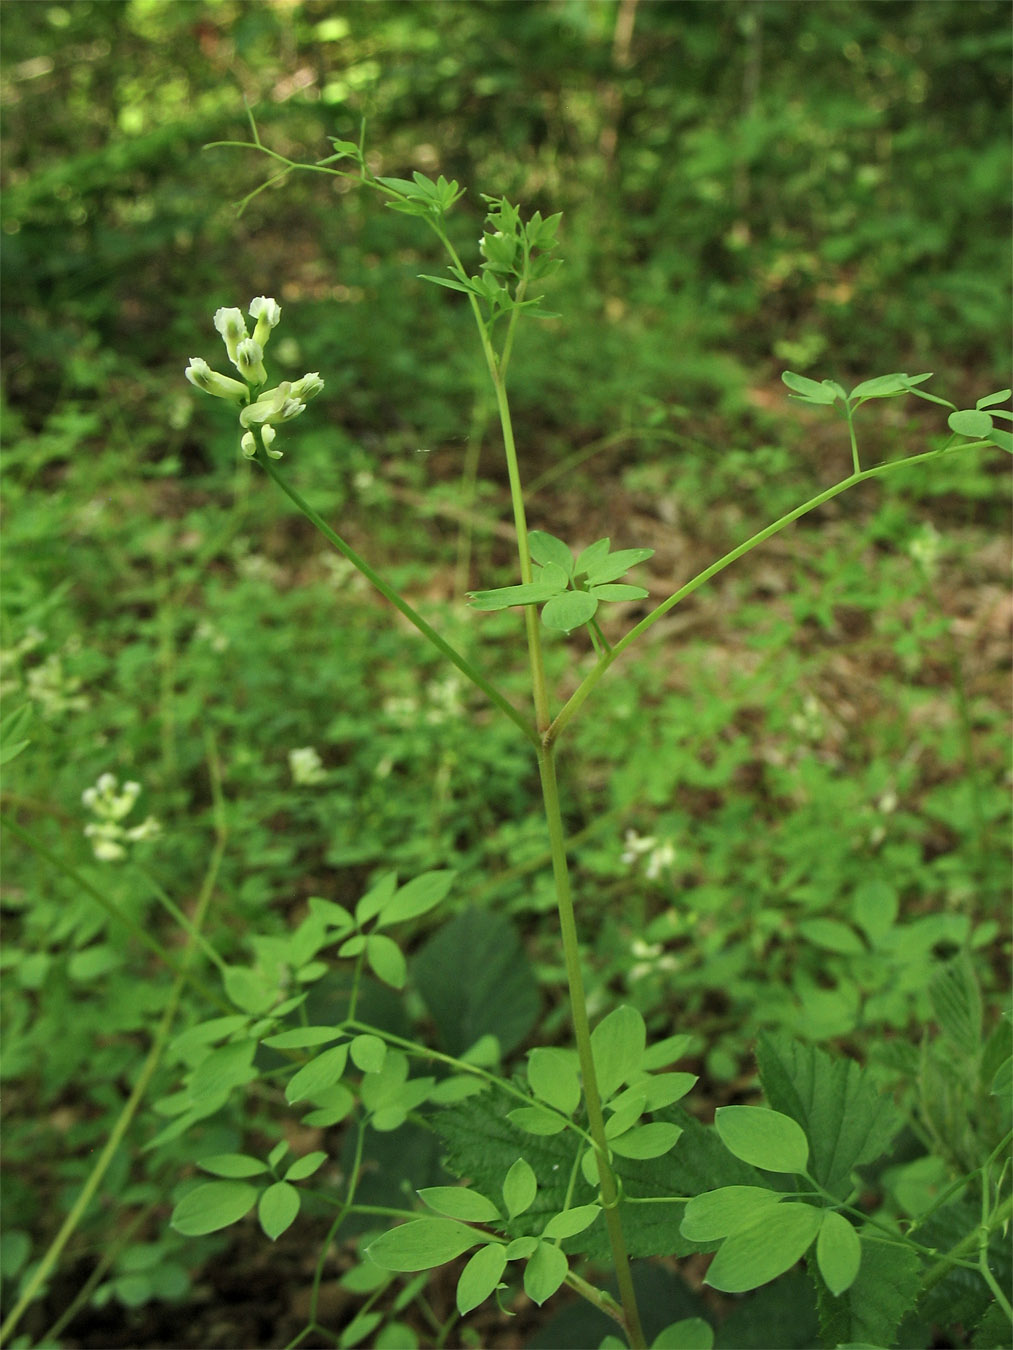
point(232, 326)
point(248, 445)
point(250, 361)
point(308, 387)
point(274, 406)
point(267, 314)
point(200, 374)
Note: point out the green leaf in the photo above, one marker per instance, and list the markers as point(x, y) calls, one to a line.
point(306, 1165)
point(849, 1121)
point(568, 611)
point(332, 1106)
point(546, 1270)
point(616, 565)
point(533, 592)
point(480, 1277)
point(838, 1252)
point(571, 1221)
point(377, 898)
point(416, 897)
point(227, 1067)
point(359, 1330)
point(334, 916)
point(212, 1206)
point(874, 907)
point(11, 727)
point(368, 1053)
point(519, 1188)
point(232, 1165)
point(553, 1076)
point(249, 989)
point(660, 1054)
point(617, 1045)
point(971, 422)
point(646, 1141)
point(592, 554)
point(692, 1333)
point(990, 400)
point(301, 1038)
point(718, 1214)
point(278, 1208)
point(458, 1202)
point(386, 960)
point(832, 935)
point(421, 1244)
point(763, 1137)
point(627, 1110)
point(956, 1002)
point(323, 1071)
point(873, 1307)
point(766, 1249)
point(1003, 439)
point(618, 592)
point(809, 390)
point(546, 548)
point(450, 283)
point(886, 386)
point(533, 1120)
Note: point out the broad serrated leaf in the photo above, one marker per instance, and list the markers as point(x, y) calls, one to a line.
point(493, 991)
point(480, 1277)
point(459, 1202)
point(546, 548)
point(838, 1252)
point(568, 611)
point(278, 1208)
point(421, 1244)
point(766, 1249)
point(846, 1117)
point(872, 1308)
point(763, 1138)
point(721, 1213)
point(617, 1046)
point(956, 1002)
point(213, 1206)
point(545, 1271)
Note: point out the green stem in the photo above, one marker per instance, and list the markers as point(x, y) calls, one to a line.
point(582, 1035)
point(399, 603)
point(580, 694)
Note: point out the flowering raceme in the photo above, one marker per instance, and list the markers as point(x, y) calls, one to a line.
point(258, 417)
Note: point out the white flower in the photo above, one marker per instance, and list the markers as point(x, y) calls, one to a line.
point(232, 326)
point(306, 766)
point(200, 374)
point(250, 361)
point(111, 805)
point(267, 314)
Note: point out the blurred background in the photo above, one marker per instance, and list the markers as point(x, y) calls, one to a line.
point(786, 809)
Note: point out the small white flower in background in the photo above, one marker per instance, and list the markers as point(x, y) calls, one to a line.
point(260, 417)
point(306, 766)
point(660, 857)
point(925, 548)
point(112, 805)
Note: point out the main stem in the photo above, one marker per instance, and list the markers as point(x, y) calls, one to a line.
point(582, 1035)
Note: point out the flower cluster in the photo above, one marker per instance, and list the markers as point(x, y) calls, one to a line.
point(260, 416)
point(661, 857)
point(111, 806)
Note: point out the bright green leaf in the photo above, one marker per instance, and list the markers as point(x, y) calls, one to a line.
point(323, 1071)
point(810, 390)
point(306, 1165)
point(532, 1120)
point(278, 1208)
point(646, 1141)
point(422, 1244)
point(662, 1053)
point(592, 554)
point(458, 1202)
point(519, 1188)
point(386, 960)
point(480, 1277)
point(838, 1252)
point(971, 422)
point(568, 611)
point(300, 1038)
point(553, 1076)
point(571, 1221)
point(618, 592)
point(232, 1165)
point(212, 1206)
point(832, 935)
point(990, 400)
point(766, 1249)
point(763, 1137)
point(546, 1270)
point(416, 897)
point(368, 1053)
point(718, 1214)
point(376, 898)
point(546, 548)
point(692, 1333)
point(616, 565)
point(617, 1045)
